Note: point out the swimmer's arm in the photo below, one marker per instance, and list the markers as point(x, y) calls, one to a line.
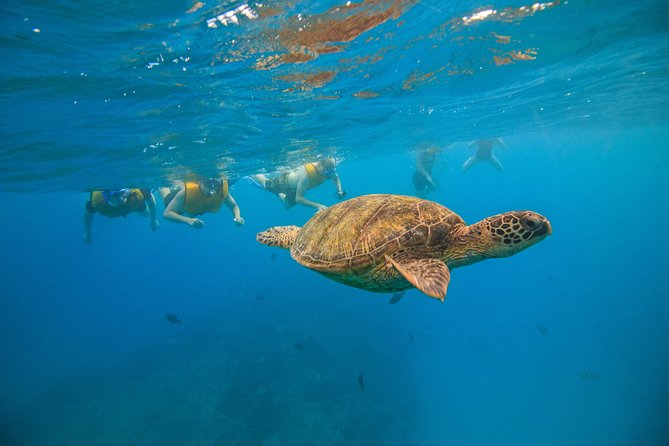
point(151, 203)
point(302, 185)
point(172, 210)
point(232, 205)
point(501, 143)
point(337, 182)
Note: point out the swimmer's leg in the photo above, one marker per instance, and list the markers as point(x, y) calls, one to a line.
point(168, 193)
point(496, 164)
point(258, 180)
point(164, 192)
point(468, 164)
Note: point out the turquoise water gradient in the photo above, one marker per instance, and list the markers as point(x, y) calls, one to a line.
point(566, 343)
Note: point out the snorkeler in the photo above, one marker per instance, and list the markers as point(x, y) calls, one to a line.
point(484, 153)
point(118, 203)
point(422, 177)
point(184, 202)
point(290, 186)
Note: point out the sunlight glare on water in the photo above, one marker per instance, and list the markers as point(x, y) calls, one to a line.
point(153, 93)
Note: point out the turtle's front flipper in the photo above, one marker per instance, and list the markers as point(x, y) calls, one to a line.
point(281, 236)
point(431, 276)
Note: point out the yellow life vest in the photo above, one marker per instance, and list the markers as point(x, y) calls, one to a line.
point(134, 203)
point(196, 203)
point(315, 177)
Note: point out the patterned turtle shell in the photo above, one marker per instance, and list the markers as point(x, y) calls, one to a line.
point(358, 233)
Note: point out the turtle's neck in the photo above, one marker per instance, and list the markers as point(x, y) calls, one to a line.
point(470, 244)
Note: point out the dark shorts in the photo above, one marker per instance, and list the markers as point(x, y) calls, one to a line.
point(420, 183)
point(279, 185)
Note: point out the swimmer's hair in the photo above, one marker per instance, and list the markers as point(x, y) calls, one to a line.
point(328, 162)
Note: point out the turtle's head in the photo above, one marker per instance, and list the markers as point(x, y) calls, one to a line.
point(513, 231)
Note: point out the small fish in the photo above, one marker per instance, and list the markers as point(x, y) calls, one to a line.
point(396, 297)
point(590, 375)
point(411, 337)
point(172, 318)
point(259, 297)
point(273, 256)
point(361, 381)
point(542, 329)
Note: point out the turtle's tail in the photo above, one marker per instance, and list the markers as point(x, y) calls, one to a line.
point(281, 236)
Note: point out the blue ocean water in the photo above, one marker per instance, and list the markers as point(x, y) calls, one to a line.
point(565, 343)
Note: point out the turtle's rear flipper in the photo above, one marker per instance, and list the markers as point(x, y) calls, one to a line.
point(431, 276)
point(281, 236)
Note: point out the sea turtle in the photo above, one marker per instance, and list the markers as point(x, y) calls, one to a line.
point(388, 243)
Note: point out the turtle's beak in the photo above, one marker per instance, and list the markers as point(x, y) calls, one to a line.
point(545, 229)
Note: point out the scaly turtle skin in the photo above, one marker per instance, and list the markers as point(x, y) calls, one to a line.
point(389, 243)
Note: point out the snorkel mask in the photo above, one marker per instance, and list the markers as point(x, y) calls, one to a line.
point(116, 197)
point(210, 186)
point(329, 166)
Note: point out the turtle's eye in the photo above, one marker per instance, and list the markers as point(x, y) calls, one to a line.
point(531, 223)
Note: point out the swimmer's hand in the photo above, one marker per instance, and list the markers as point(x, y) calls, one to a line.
point(238, 221)
point(87, 239)
point(341, 194)
point(154, 225)
point(320, 207)
point(197, 223)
